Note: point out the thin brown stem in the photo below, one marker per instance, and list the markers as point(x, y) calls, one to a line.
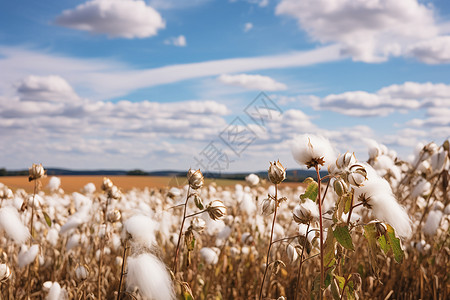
point(270, 242)
point(343, 289)
point(124, 260)
point(319, 201)
point(351, 209)
point(31, 238)
point(197, 213)
point(102, 249)
point(174, 268)
point(301, 262)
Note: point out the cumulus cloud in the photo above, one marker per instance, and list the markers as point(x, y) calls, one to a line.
point(252, 82)
point(179, 41)
point(372, 31)
point(116, 18)
point(45, 89)
point(394, 98)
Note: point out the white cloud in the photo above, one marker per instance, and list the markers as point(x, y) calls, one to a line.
point(179, 41)
point(252, 82)
point(116, 18)
point(103, 79)
point(46, 88)
point(176, 4)
point(400, 98)
point(248, 26)
point(372, 31)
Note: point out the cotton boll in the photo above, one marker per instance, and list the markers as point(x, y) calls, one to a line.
point(247, 205)
point(373, 148)
point(209, 255)
point(54, 184)
point(383, 164)
point(150, 275)
point(74, 221)
point(252, 179)
point(27, 256)
point(10, 222)
point(142, 229)
point(447, 209)
point(438, 161)
point(423, 187)
point(291, 253)
point(55, 292)
point(89, 188)
point(224, 233)
point(378, 194)
point(309, 149)
point(73, 241)
point(433, 221)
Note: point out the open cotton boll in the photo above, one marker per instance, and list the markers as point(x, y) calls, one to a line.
point(54, 183)
point(89, 188)
point(52, 236)
point(378, 194)
point(310, 150)
point(142, 229)
point(209, 255)
point(73, 241)
point(75, 220)
point(55, 292)
point(252, 179)
point(247, 205)
point(383, 164)
point(423, 187)
point(433, 221)
point(27, 256)
point(10, 222)
point(150, 275)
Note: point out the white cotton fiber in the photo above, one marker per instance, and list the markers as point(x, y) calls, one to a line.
point(150, 275)
point(27, 256)
point(142, 229)
point(10, 222)
point(209, 255)
point(384, 205)
point(248, 205)
point(433, 222)
point(54, 184)
point(55, 292)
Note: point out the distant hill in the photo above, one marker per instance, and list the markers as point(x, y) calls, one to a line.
point(292, 175)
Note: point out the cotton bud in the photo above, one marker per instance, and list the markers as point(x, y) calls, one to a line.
point(268, 206)
point(82, 272)
point(195, 179)
point(198, 224)
point(107, 184)
point(114, 193)
point(114, 216)
point(306, 212)
point(277, 173)
point(292, 253)
point(5, 272)
point(340, 187)
point(216, 210)
point(198, 202)
point(357, 175)
point(346, 160)
point(36, 172)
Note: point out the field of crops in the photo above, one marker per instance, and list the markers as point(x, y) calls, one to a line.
point(377, 229)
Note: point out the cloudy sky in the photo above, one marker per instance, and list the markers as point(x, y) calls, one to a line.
point(173, 84)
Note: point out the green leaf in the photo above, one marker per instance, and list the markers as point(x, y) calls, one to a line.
point(328, 257)
point(311, 190)
point(384, 245)
point(342, 235)
point(394, 242)
point(348, 202)
point(47, 219)
point(188, 296)
point(371, 234)
point(341, 281)
point(334, 291)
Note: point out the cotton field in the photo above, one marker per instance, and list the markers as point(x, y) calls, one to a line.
point(375, 229)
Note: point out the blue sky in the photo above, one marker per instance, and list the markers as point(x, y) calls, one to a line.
point(123, 84)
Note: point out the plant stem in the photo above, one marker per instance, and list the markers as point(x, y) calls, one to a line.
point(31, 238)
point(197, 213)
point(351, 208)
point(270, 242)
point(124, 260)
point(102, 248)
point(321, 232)
point(301, 262)
point(174, 268)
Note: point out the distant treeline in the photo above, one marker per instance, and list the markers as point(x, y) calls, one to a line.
point(291, 175)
